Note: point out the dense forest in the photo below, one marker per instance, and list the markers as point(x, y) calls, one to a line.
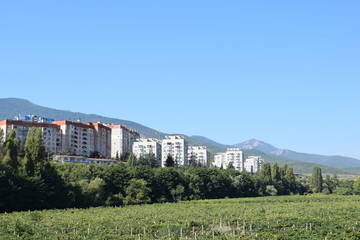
point(29, 182)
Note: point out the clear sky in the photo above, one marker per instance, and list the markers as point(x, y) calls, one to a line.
point(285, 72)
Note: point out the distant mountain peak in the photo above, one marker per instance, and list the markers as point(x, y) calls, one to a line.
point(256, 144)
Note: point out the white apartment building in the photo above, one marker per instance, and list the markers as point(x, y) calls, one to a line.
point(232, 155)
point(102, 139)
point(51, 132)
point(122, 139)
point(219, 160)
point(253, 164)
point(79, 138)
point(199, 154)
point(146, 146)
point(177, 147)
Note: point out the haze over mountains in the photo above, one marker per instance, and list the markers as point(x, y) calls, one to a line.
point(302, 162)
point(335, 161)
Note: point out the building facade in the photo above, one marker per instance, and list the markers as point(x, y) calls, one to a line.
point(147, 146)
point(177, 147)
point(253, 164)
point(122, 139)
point(77, 138)
point(102, 139)
point(199, 154)
point(235, 156)
point(51, 133)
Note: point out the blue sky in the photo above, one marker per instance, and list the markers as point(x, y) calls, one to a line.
point(285, 72)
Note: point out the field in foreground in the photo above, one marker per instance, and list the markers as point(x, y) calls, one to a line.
point(288, 217)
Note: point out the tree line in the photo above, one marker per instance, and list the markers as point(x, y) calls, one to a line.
point(29, 182)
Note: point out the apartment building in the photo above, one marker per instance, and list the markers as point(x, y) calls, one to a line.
point(253, 164)
point(199, 154)
point(177, 147)
point(122, 139)
point(77, 137)
point(146, 146)
point(235, 156)
point(102, 140)
point(51, 132)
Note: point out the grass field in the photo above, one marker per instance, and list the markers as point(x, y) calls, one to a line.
point(288, 217)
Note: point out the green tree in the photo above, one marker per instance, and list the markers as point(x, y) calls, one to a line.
point(328, 185)
point(271, 190)
point(230, 166)
point(265, 174)
point(117, 158)
point(131, 161)
point(356, 186)
point(1, 142)
point(34, 151)
point(169, 162)
point(148, 160)
point(316, 180)
point(335, 180)
point(275, 173)
point(289, 175)
point(137, 192)
point(10, 159)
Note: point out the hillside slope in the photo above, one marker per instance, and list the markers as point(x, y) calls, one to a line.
point(334, 161)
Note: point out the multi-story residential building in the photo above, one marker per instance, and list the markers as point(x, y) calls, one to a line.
point(51, 132)
point(253, 164)
point(235, 156)
point(219, 160)
point(102, 139)
point(199, 154)
point(146, 146)
point(122, 139)
point(177, 147)
point(77, 137)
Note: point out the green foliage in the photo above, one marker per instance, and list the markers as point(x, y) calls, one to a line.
point(131, 161)
point(10, 152)
point(275, 173)
point(316, 180)
point(271, 190)
point(34, 151)
point(137, 192)
point(231, 166)
point(1, 141)
point(265, 173)
point(285, 217)
point(148, 160)
point(356, 186)
point(169, 162)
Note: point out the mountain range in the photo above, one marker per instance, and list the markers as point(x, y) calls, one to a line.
point(302, 162)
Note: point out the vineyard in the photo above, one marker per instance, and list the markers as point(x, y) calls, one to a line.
point(286, 217)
